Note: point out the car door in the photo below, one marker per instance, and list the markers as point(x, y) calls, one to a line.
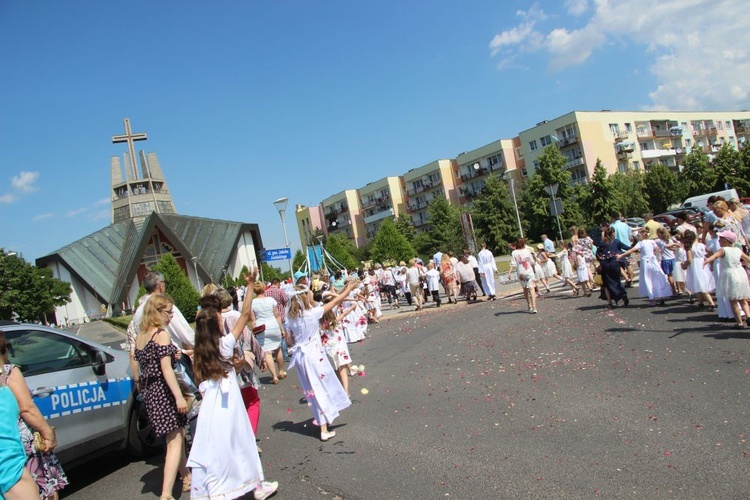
point(59, 370)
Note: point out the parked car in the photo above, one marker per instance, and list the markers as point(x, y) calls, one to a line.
point(666, 220)
point(84, 389)
point(635, 222)
point(694, 215)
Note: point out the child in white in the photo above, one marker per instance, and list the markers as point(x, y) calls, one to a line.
point(678, 273)
point(433, 282)
point(699, 279)
point(326, 396)
point(582, 268)
point(733, 281)
point(653, 282)
point(567, 269)
point(723, 307)
point(332, 337)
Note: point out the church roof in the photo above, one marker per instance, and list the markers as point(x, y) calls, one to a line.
point(107, 260)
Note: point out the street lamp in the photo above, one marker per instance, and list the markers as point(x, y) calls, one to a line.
point(195, 268)
point(280, 205)
point(515, 203)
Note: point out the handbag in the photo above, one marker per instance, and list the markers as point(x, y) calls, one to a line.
point(259, 329)
point(40, 444)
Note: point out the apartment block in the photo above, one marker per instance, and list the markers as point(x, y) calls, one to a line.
point(309, 221)
point(424, 184)
point(380, 200)
point(474, 167)
point(342, 213)
point(631, 139)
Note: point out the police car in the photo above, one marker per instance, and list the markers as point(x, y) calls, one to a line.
point(84, 389)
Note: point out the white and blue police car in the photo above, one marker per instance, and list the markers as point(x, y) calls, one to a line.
point(84, 389)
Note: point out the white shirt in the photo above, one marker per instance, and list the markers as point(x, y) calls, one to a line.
point(473, 261)
point(179, 329)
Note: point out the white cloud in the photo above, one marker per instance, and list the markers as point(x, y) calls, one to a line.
point(694, 48)
point(46, 215)
point(24, 181)
point(8, 198)
point(103, 201)
point(101, 214)
point(73, 213)
point(576, 7)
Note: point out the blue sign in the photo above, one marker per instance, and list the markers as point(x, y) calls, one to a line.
point(86, 396)
point(273, 254)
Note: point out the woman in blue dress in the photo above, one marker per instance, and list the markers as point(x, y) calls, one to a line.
point(16, 482)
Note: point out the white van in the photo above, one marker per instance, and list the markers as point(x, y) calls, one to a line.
point(701, 201)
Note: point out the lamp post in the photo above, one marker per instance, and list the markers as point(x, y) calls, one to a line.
point(515, 203)
point(280, 205)
point(195, 268)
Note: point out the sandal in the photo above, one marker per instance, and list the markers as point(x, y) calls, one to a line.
point(282, 375)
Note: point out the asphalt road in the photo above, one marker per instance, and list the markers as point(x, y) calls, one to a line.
point(487, 401)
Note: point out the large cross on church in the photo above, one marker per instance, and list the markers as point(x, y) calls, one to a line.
point(130, 138)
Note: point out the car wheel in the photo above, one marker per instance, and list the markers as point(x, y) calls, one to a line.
point(142, 441)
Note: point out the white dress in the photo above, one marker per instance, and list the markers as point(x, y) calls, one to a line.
point(733, 282)
point(723, 307)
point(263, 309)
point(565, 267)
point(336, 348)
point(699, 279)
point(224, 458)
point(583, 268)
point(652, 283)
point(325, 395)
point(678, 273)
point(355, 323)
point(523, 260)
point(487, 270)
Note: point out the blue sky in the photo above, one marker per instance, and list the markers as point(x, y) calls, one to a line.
point(246, 102)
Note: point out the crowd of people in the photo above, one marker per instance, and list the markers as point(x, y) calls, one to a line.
point(202, 384)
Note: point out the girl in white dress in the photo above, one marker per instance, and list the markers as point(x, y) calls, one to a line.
point(325, 395)
point(733, 281)
point(566, 268)
point(699, 279)
point(582, 268)
point(723, 307)
point(355, 323)
point(678, 273)
point(541, 276)
point(224, 458)
point(653, 283)
point(522, 260)
point(332, 337)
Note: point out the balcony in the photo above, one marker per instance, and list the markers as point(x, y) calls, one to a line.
point(624, 155)
point(574, 163)
point(620, 135)
point(378, 216)
point(567, 141)
point(419, 222)
point(647, 154)
point(741, 128)
point(625, 147)
point(371, 202)
point(471, 174)
point(704, 131)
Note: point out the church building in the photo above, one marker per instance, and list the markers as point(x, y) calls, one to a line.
point(105, 268)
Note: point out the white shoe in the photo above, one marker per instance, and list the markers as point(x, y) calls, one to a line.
point(325, 436)
point(265, 489)
point(534, 311)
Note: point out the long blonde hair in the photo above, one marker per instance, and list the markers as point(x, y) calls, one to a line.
point(152, 312)
point(300, 302)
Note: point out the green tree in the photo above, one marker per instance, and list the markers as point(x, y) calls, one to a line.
point(27, 292)
point(631, 188)
point(494, 216)
point(600, 197)
point(342, 249)
point(179, 287)
point(404, 226)
point(697, 176)
point(662, 187)
point(270, 272)
point(535, 200)
point(445, 226)
point(743, 188)
point(730, 172)
point(298, 261)
point(389, 244)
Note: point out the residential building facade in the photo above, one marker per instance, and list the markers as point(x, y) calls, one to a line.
point(342, 213)
point(424, 184)
point(380, 200)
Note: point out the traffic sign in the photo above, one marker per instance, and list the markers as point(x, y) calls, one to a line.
point(552, 190)
point(555, 206)
point(273, 254)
